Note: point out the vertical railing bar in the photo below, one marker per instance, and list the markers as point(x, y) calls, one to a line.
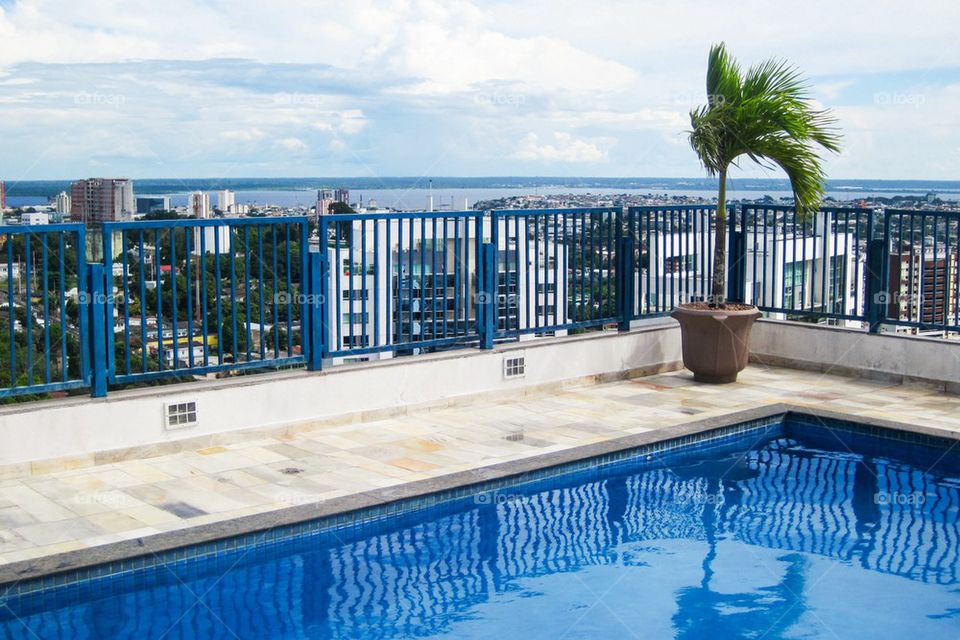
point(388, 294)
point(398, 329)
point(248, 321)
point(175, 326)
point(11, 315)
point(445, 258)
point(828, 304)
point(674, 247)
point(536, 272)
point(260, 306)
point(376, 283)
point(288, 282)
point(45, 303)
point(338, 269)
point(364, 338)
point(769, 258)
point(127, 364)
point(204, 302)
point(555, 308)
point(219, 291)
point(423, 276)
point(567, 271)
point(188, 249)
point(856, 262)
point(936, 233)
point(913, 269)
point(305, 304)
point(64, 363)
point(141, 268)
point(411, 233)
point(613, 221)
point(518, 270)
point(351, 275)
point(158, 275)
point(275, 307)
point(433, 278)
point(232, 251)
point(28, 277)
point(900, 248)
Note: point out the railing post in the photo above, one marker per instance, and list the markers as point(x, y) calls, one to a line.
point(736, 258)
point(625, 282)
point(317, 304)
point(487, 298)
point(97, 308)
point(877, 297)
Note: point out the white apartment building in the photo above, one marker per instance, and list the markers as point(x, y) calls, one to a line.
point(226, 201)
point(62, 204)
point(214, 238)
point(34, 219)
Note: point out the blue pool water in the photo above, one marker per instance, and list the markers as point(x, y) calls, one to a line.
point(790, 530)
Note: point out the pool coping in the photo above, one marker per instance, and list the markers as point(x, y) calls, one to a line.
point(79, 559)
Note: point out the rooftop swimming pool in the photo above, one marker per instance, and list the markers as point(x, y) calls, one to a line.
point(782, 528)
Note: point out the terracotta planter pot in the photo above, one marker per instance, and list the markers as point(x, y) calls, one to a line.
point(716, 342)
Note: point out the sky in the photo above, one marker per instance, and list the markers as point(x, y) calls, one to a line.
point(236, 88)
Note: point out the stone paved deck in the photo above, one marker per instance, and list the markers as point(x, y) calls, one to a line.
point(81, 508)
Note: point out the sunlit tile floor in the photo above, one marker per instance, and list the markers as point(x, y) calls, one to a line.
point(78, 508)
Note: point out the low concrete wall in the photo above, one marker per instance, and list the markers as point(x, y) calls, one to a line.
point(857, 353)
point(84, 431)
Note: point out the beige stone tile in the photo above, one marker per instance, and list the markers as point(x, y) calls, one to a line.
point(139, 497)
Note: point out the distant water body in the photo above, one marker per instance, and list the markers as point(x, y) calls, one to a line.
point(411, 193)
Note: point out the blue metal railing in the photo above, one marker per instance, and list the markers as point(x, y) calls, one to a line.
point(44, 336)
point(920, 274)
point(167, 299)
point(557, 269)
point(813, 266)
point(674, 266)
point(401, 282)
point(189, 297)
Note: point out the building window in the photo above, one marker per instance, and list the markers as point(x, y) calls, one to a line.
point(793, 285)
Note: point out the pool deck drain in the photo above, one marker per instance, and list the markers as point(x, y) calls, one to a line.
point(65, 518)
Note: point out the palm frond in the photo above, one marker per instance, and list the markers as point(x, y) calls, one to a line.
point(766, 114)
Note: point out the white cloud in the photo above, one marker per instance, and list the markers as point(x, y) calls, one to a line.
point(243, 135)
point(564, 148)
point(294, 145)
point(413, 86)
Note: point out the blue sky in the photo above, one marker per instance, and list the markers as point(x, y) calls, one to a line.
point(240, 88)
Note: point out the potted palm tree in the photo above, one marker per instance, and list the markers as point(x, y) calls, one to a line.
point(766, 115)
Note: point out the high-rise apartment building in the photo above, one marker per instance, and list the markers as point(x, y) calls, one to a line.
point(923, 284)
point(97, 200)
point(62, 205)
point(210, 238)
point(226, 201)
point(324, 200)
point(198, 205)
point(342, 195)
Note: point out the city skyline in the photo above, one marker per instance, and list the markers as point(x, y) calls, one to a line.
point(455, 89)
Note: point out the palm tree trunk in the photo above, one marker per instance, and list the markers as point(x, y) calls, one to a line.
point(718, 296)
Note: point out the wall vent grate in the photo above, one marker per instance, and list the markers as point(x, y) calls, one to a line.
point(179, 415)
point(514, 366)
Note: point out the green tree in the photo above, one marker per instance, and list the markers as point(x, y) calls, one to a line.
point(767, 115)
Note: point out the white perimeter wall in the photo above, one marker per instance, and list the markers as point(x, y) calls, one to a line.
point(856, 352)
point(133, 420)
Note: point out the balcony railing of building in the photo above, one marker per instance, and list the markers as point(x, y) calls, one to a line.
point(173, 299)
